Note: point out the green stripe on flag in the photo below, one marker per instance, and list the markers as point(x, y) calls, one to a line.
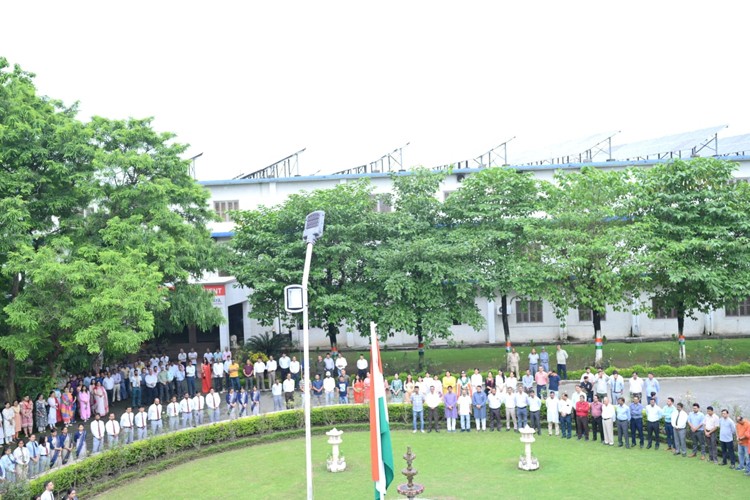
point(386, 454)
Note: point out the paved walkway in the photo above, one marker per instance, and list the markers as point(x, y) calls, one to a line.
point(730, 392)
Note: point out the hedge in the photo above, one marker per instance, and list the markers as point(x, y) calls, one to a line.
point(659, 371)
point(112, 467)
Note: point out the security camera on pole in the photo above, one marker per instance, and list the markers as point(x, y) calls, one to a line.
point(295, 301)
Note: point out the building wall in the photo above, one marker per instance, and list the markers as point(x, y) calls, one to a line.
point(618, 324)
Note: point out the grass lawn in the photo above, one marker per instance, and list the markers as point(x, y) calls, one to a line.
point(451, 466)
point(621, 354)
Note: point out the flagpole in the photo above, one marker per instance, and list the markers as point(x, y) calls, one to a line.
point(306, 365)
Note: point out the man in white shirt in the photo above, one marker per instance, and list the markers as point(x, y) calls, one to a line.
point(193, 356)
point(553, 413)
point(199, 404)
point(565, 410)
point(601, 384)
point(510, 410)
point(150, 379)
point(562, 362)
point(535, 412)
point(135, 388)
point(97, 431)
point(164, 359)
point(329, 388)
point(340, 364)
point(284, 366)
point(288, 387)
point(271, 366)
point(208, 356)
point(112, 428)
point(186, 410)
point(294, 369)
point(494, 401)
point(653, 415)
point(711, 429)
point(608, 421)
point(190, 378)
point(259, 369)
point(173, 412)
point(182, 357)
point(141, 421)
point(362, 366)
point(432, 400)
point(679, 424)
point(277, 395)
point(636, 387)
point(22, 458)
point(127, 424)
point(218, 374)
point(154, 416)
point(109, 385)
point(213, 403)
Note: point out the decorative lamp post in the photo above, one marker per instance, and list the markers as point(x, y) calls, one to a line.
point(527, 461)
point(336, 463)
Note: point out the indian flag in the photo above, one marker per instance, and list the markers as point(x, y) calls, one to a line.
point(381, 451)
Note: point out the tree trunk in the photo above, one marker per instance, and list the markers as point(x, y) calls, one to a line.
point(598, 341)
point(9, 378)
point(506, 326)
point(420, 345)
point(333, 331)
point(681, 329)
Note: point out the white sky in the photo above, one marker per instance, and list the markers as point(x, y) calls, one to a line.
point(248, 83)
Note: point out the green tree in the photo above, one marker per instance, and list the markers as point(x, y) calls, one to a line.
point(46, 168)
point(98, 220)
point(692, 223)
point(584, 245)
point(419, 277)
point(270, 253)
point(493, 212)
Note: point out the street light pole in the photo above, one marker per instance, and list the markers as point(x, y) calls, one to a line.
point(313, 230)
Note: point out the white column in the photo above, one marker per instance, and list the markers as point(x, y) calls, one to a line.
point(710, 322)
point(491, 315)
point(246, 323)
point(635, 320)
point(224, 328)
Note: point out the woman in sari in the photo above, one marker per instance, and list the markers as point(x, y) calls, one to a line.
point(58, 396)
point(27, 416)
point(84, 401)
point(408, 389)
point(101, 404)
point(367, 389)
point(66, 406)
point(40, 409)
point(52, 404)
point(17, 419)
point(206, 371)
point(359, 390)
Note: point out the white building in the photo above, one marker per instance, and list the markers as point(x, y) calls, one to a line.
point(537, 321)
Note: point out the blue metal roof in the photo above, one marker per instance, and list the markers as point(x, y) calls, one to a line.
point(222, 234)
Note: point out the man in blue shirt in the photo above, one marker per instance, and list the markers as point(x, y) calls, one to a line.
point(622, 413)
point(696, 423)
point(651, 385)
point(636, 420)
point(544, 359)
point(417, 408)
point(727, 430)
point(554, 382)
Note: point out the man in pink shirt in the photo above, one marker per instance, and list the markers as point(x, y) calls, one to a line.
point(542, 380)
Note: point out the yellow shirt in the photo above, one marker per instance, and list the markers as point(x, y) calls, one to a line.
point(449, 382)
point(234, 370)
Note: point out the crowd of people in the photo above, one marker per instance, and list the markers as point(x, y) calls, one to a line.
point(77, 420)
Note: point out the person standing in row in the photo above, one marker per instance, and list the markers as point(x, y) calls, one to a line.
point(653, 416)
point(141, 421)
point(679, 423)
point(433, 400)
point(450, 400)
point(213, 403)
point(561, 356)
point(727, 431)
point(154, 416)
point(711, 430)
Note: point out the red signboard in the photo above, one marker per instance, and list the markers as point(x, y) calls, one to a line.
point(219, 290)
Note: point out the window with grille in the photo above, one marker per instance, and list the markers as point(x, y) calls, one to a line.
point(529, 311)
point(223, 207)
point(739, 309)
point(585, 314)
point(661, 312)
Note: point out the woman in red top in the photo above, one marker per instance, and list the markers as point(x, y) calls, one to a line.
point(206, 370)
point(359, 390)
